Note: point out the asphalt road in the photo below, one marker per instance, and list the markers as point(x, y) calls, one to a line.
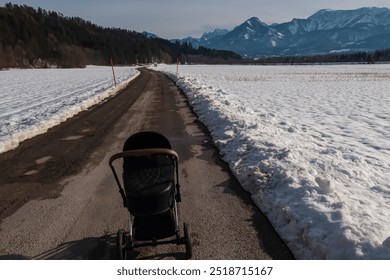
point(59, 200)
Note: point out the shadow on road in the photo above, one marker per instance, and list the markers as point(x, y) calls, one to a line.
point(92, 248)
point(13, 257)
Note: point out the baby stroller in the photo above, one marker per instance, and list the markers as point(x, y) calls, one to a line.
point(150, 192)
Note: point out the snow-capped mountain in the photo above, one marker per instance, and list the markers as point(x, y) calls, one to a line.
point(210, 36)
point(337, 19)
point(326, 31)
point(206, 39)
point(247, 37)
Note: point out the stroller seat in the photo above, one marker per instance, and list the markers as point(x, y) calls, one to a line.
point(149, 184)
point(147, 175)
point(150, 181)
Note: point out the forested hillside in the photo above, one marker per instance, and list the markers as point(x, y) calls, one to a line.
point(358, 57)
point(40, 38)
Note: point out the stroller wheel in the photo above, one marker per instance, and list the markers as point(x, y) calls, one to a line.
point(187, 241)
point(121, 244)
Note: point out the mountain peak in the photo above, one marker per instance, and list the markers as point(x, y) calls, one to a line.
point(255, 21)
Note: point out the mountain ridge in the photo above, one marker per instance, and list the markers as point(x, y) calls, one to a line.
point(326, 31)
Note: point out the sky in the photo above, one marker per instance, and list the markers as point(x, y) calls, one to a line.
point(176, 19)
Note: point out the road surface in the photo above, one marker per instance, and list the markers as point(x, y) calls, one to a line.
point(59, 200)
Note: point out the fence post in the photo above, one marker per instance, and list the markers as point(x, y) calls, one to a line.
point(113, 72)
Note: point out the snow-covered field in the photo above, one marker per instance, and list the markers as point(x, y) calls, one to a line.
point(310, 143)
point(32, 101)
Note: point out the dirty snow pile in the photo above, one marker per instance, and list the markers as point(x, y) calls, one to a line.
point(310, 143)
point(34, 100)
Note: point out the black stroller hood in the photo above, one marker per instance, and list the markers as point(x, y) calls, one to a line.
point(146, 140)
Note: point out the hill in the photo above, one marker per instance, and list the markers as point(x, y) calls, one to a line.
point(40, 38)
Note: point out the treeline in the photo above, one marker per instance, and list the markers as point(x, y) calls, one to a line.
point(40, 38)
point(357, 57)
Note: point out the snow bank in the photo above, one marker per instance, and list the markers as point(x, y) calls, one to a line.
point(310, 143)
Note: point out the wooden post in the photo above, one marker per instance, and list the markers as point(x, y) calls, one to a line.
point(113, 72)
point(177, 68)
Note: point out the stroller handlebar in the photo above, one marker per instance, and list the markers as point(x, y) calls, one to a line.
point(144, 152)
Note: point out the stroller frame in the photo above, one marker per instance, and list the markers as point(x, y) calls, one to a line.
point(126, 240)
